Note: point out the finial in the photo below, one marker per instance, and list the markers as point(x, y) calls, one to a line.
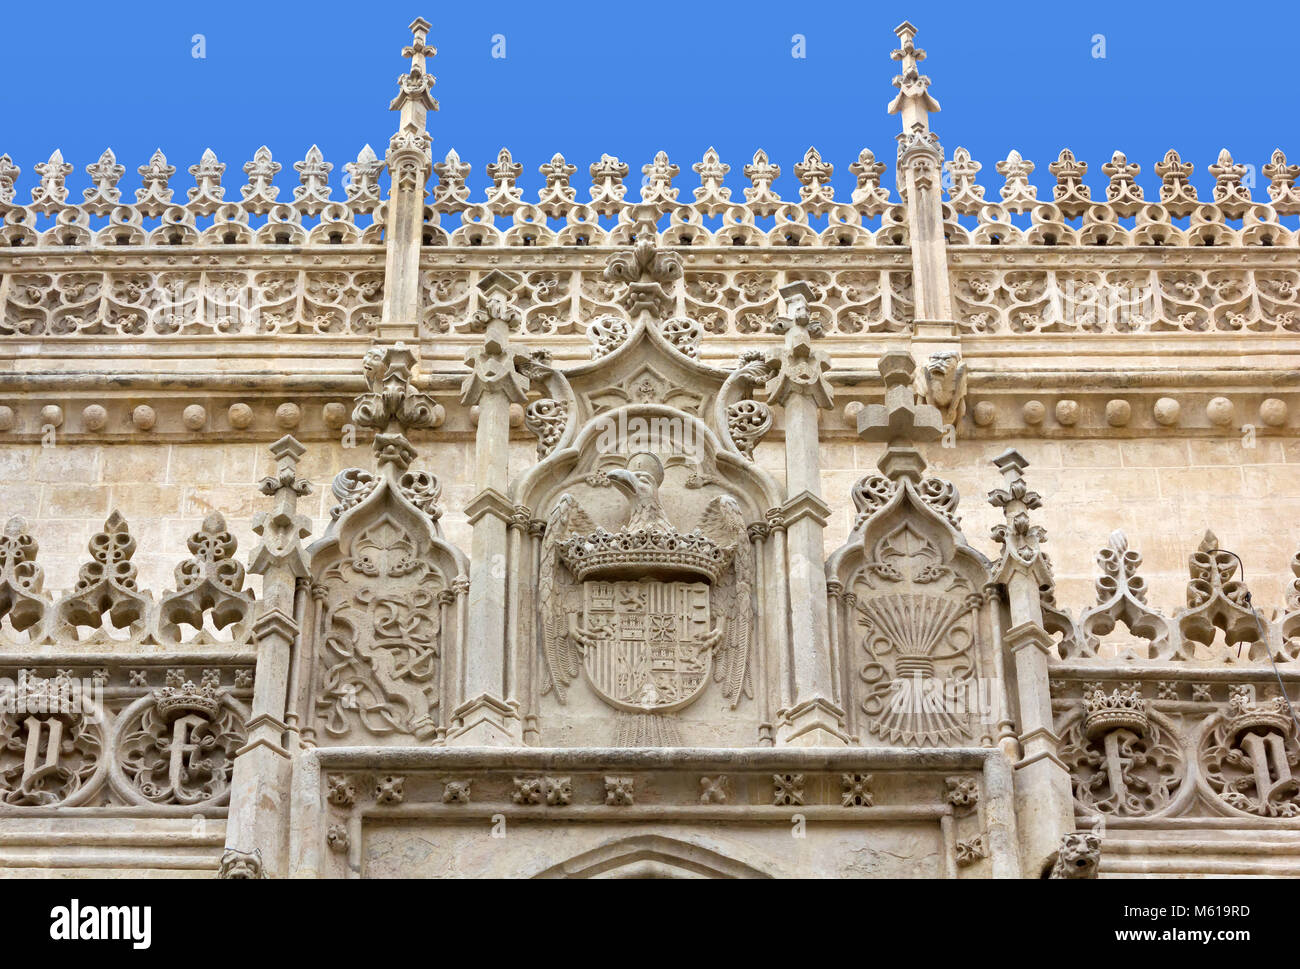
point(282, 527)
point(1011, 463)
point(1020, 538)
point(418, 50)
point(906, 33)
point(414, 85)
point(913, 101)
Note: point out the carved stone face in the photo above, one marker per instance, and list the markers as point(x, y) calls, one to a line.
point(1079, 856)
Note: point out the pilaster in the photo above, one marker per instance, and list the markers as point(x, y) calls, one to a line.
point(920, 163)
point(489, 717)
point(813, 718)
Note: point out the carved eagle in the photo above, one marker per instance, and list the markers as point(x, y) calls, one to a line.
point(723, 522)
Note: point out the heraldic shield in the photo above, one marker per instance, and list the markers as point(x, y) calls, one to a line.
point(647, 645)
point(648, 615)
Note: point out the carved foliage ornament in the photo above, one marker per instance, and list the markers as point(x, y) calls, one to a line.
point(547, 419)
point(106, 586)
point(380, 652)
point(647, 274)
point(209, 584)
point(872, 492)
point(1121, 598)
point(21, 579)
point(1216, 600)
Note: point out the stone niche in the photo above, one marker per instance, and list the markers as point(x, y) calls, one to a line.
point(649, 599)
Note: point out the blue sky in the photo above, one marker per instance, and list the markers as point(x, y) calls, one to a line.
point(633, 78)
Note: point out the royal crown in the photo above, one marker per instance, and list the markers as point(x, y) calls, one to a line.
point(1263, 717)
point(663, 553)
point(172, 702)
point(1120, 710)
point(58, 696)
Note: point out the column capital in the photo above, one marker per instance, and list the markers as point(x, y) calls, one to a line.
point(814, 723)
point(489, 501)
point(805, 505)
point(274, 623)
point(1026, 634)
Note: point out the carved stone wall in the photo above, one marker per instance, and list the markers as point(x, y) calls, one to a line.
point(649, 523)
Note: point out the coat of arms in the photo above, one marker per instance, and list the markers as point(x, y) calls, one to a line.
point(648, 614)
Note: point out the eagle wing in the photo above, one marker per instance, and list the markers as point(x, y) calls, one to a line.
point(562, 657)
point(723, 522)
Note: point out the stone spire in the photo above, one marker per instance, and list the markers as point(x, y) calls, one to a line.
point(418, 50)
point(409, 164)
point(920, 161)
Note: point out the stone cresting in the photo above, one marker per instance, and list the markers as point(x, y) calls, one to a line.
point(583, 578)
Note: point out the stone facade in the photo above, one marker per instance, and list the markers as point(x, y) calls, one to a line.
point(415, 533)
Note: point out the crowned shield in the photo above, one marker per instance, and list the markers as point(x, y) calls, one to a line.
point(648, 645)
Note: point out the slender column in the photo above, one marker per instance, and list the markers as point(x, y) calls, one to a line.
point(835, 609)
point(758, 535)
point(1006, 731)
point(849, 603)
point(1044, 800)
point(257, 822)
point(528, 651)
point(489, 716)
point(813, 718)
point(450, 655)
